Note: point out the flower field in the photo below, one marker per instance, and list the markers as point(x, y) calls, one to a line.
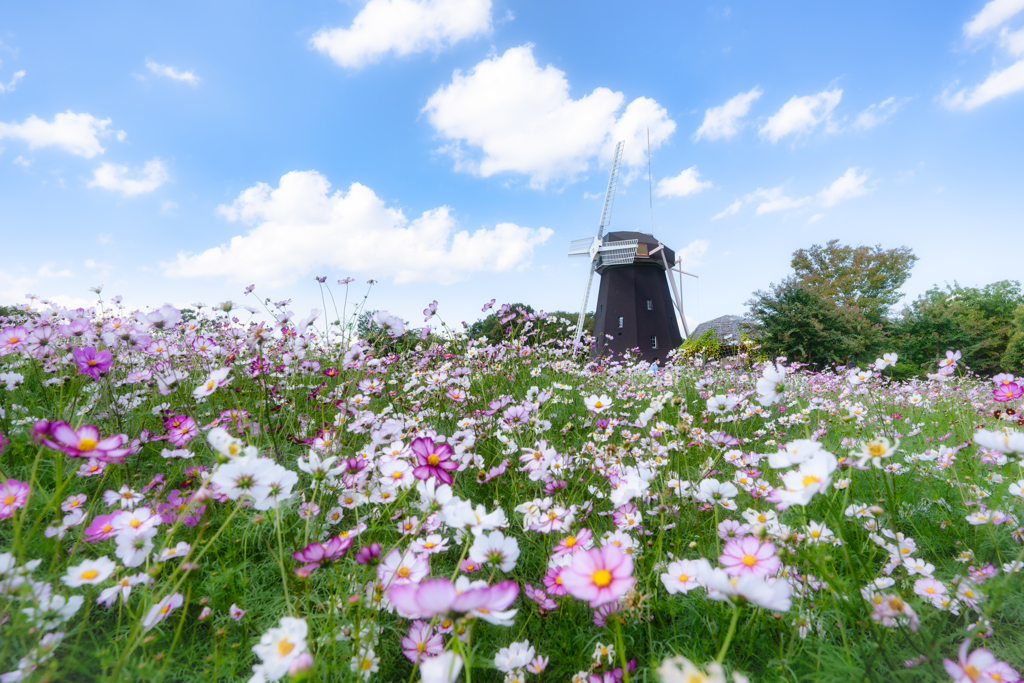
point(204, 498)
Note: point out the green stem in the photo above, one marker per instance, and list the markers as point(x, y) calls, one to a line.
point(728, 636)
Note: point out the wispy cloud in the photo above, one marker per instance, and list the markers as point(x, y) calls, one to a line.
point(172, 73)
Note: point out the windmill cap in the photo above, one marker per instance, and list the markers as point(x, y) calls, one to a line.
point(645, 245)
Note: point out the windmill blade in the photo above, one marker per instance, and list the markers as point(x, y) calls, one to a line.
point(675, 291)
point(618, 253)
point(583, 312)
point(581, 247)
point(609, 195)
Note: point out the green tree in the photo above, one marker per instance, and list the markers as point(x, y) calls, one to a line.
point(1013, 357)
point(556, 325)
point(979, 322)
point(867, 278)
point(802, 324)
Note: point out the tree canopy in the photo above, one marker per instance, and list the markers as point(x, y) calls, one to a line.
point(867, 278)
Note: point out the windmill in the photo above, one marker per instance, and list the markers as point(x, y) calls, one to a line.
point(635, 306)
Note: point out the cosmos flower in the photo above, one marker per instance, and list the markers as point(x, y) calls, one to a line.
point(84, 442)
point(749, 555)
point(433, 460)
point(280, 646)
point(92, 362)
point(161, 610)
point(434, 597)
point(599, 575)
point(876, 450)
point(89, 572)
point(13, 494)
point(597, 404)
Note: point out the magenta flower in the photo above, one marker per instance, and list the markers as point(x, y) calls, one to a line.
point(423, 640)
point(92, 362)
point(13, 494)
point(102, 528)
point(438, 596)
point(748, 555)
point(572, 544)
point(980, 665)
point(553, 581)
point(1007, 392)
point(433, 460)
point(540, 597)
point(316, 553)
point(85, 442)
point(369, 554)
point(599, 575)
point(180, 429)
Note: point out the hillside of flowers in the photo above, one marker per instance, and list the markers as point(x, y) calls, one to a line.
point(214, 495)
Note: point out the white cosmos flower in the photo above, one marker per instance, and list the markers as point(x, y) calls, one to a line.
point(495, 548)
point(225, 444)
point(444, 668)
point(243, 475)
point(714, 491)
point(217, 379)
point(722, 403)
point(875, 450)
point(277, 487)
point(771, 385)
point(134, 545)
point(53, 610)
point(597, 403)
point(1005, 441)
point(515, 656)
point(793, 453)
point(887, 360)
point(811, 477)
point(89, 572)
point(280, 646)
point(681, 576)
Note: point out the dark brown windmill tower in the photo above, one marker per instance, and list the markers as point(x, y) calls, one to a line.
point(636, 308)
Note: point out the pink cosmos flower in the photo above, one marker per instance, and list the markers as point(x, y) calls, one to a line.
point(180, 429)
point(980, 665)
point(748, 555)
point(161, 609)
point(599, 575)
point(540, 597)
point(316, 553)
point(13, 494)
point(433, 460)
point(572, 544)
point(92, 362)
point(236, 612)
point(422, 640)
point(553, 581)
point(85, 442)
point(102, 528)
point(1007, 392)
point(11, 339)
point(439, 596)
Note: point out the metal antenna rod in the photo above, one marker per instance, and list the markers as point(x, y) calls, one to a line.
point(650, 185)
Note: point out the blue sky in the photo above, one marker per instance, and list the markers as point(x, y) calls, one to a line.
point(450, 149)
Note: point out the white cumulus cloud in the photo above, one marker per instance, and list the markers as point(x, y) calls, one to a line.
point(518, 117)
point(172, 73)
point(120, 179)
point(992, 15)
point(724, 121)
point(690, 255)
point(403, 27)
point(801, 114)
point(686, 183)
point(300, 227)
point(75, 133)
point(774, 200)
point(998, 84)
point(849, 185)
point(878, 113)
point(1012, 41)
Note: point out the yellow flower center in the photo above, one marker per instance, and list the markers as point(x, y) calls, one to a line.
point(432, 459)
point(135, 523)
point(107, 528)
point(601, 578)
point(429, 544)
point(165, 609)
point(89, 574)
point(929, 590)
point(598, 404)
point(13, 340)
point(403, 572)
point(284, 646)
point(9, 499)
point(749, 560)
point(971, 671)
point(876, 449)
point(86, 444)
point(570, 541)
point(810, 479)
point(683, 578)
